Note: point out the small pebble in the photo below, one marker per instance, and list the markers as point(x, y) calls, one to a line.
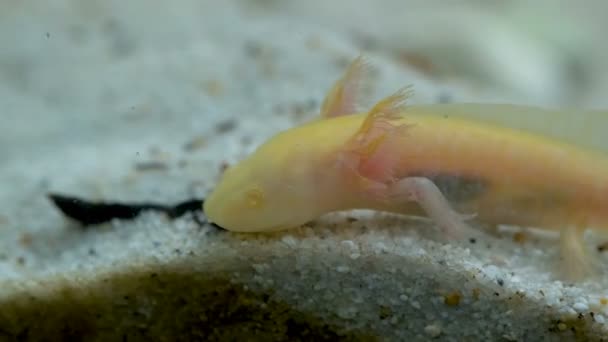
point(444, 97)
point(195, 143)
point(226, 126)
point(452, 299)
point(348, 244)
point(580, 307)
point(289, 240)
point(491, 271)
point(342, 269)
point(214, 87)
point(433, 330)
point(151, 166)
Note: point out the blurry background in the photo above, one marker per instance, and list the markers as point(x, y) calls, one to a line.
point(544, 52)
point(112, 72)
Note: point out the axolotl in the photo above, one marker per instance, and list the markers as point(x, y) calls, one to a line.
point(497, 164)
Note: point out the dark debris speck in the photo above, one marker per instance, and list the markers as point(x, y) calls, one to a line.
point(151, 166)
point(226, 126)
point(444, 97)
point(195, 143)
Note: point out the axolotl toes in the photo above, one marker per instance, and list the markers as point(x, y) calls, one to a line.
point(496, 164)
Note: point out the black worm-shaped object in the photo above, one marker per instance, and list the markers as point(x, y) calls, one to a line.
point(91, 213)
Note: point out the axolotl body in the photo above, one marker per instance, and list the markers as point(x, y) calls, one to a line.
point(498, 164)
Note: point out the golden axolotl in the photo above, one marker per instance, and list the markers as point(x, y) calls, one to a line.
point(504, 164)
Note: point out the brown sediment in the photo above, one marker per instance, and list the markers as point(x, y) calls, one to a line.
point(161, 306)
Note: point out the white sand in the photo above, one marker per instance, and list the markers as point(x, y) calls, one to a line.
point(90, 89)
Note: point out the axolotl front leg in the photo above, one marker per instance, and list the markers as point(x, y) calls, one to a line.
point(371, 157)
point(433, 202)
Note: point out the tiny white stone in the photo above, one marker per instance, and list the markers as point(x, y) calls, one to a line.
point(491, 270)
point(600, 319)
point(580, 307)
point(348, 244)
point(349, 312)
point(403, 297)
point(415, 304)
point(342, 269)
point(259, 268)
point(509, 337)
point(355, 256)
point(380, 247)
point(433, 330)
point(289, 240)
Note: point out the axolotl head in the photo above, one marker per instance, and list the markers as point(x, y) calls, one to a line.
point(279, 186)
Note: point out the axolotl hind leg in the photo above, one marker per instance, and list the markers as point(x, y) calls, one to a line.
point(575, 260)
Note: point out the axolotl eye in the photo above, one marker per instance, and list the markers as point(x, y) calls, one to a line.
point(254, 197)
